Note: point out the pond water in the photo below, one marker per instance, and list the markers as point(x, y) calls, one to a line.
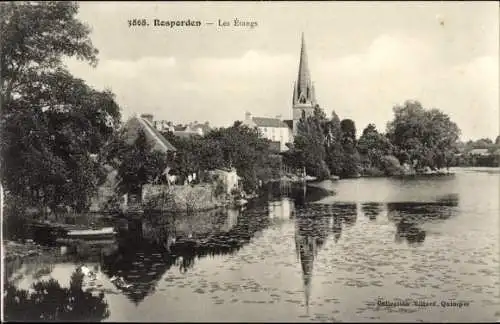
point(309, 256)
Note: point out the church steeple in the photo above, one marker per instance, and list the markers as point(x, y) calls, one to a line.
point(304, 99)
point(304, 90)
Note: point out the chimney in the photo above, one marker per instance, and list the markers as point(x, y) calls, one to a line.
point(148, 117)
point(279, 117)
point(248, 116)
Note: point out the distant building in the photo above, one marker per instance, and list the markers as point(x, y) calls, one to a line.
point(163, 125)
point(479, 152)
point(187, 131)
point(273, 129)
point(145, 122)
point(303, 102)
point(182, 130)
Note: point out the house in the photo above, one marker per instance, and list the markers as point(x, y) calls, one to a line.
point(182, 130)
point(229, 177)
point(273, 129)
point(479, 152)
point(187, 131)
point(163, 125)
point(153, 136)
point(303, 103)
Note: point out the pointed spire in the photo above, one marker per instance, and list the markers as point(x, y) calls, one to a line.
point(304, 78)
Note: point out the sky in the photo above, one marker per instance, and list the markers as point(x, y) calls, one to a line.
point(364, 58)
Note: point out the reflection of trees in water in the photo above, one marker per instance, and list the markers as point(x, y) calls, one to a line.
point(408, 216)
point(50, 302)
point(409, 231)
point(142, 266)
point(371, 209)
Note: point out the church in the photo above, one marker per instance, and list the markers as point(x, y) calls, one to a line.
point(280, 131)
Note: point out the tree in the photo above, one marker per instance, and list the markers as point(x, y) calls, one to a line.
point(497, 140)
point(310, 141)
point(53, 125)
point(140, 164)
point(373, 146)
point(334, 150)
point(195, 153)
point(48, 301)
point(423, 138)
point(242, 148)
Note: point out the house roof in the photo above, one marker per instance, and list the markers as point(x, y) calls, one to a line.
point(178, 128)
point(204, 127)
point(269, 122)
point(160, 142)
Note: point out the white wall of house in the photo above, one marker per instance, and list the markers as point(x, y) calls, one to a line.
point(277, 134)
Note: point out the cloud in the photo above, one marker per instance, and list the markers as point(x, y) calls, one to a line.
point(363, 86)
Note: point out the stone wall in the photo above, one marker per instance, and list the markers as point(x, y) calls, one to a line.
point(182, 198)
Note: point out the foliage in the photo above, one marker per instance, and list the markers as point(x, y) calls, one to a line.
point(53, 125)
point(422, 138)
point(15, 218)
point(310, 142)
point(373, 146)
point(195, 153)
point(390, 165)
point(140, 164)
point(237, 146)
point(244, 149)
point(348, 128)
point(51, 302)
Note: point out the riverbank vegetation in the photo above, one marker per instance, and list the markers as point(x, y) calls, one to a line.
point(415, 141)
point(61, 137)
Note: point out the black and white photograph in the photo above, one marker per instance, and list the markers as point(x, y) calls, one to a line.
point(254, 161)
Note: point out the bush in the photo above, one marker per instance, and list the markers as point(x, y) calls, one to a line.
point(391, 166)
point(373, 172)
point(15, 218)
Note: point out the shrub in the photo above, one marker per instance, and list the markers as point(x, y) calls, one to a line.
point(391, 166)
point(373, 172)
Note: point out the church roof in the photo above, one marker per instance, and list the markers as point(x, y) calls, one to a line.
point(269, 122)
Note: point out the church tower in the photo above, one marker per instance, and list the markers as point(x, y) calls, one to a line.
point(304, 99)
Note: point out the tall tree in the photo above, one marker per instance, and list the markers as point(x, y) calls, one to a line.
point(334, 150)
point(423, 138)
point(242, 148)
point(310, 142)
point(374, 146)
point(140, 164)
point(53, 125)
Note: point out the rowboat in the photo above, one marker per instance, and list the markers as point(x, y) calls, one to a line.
point(93, 235)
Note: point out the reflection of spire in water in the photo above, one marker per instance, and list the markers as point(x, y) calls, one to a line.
point(232, 219)
point(307, 254)
point(307, 249)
